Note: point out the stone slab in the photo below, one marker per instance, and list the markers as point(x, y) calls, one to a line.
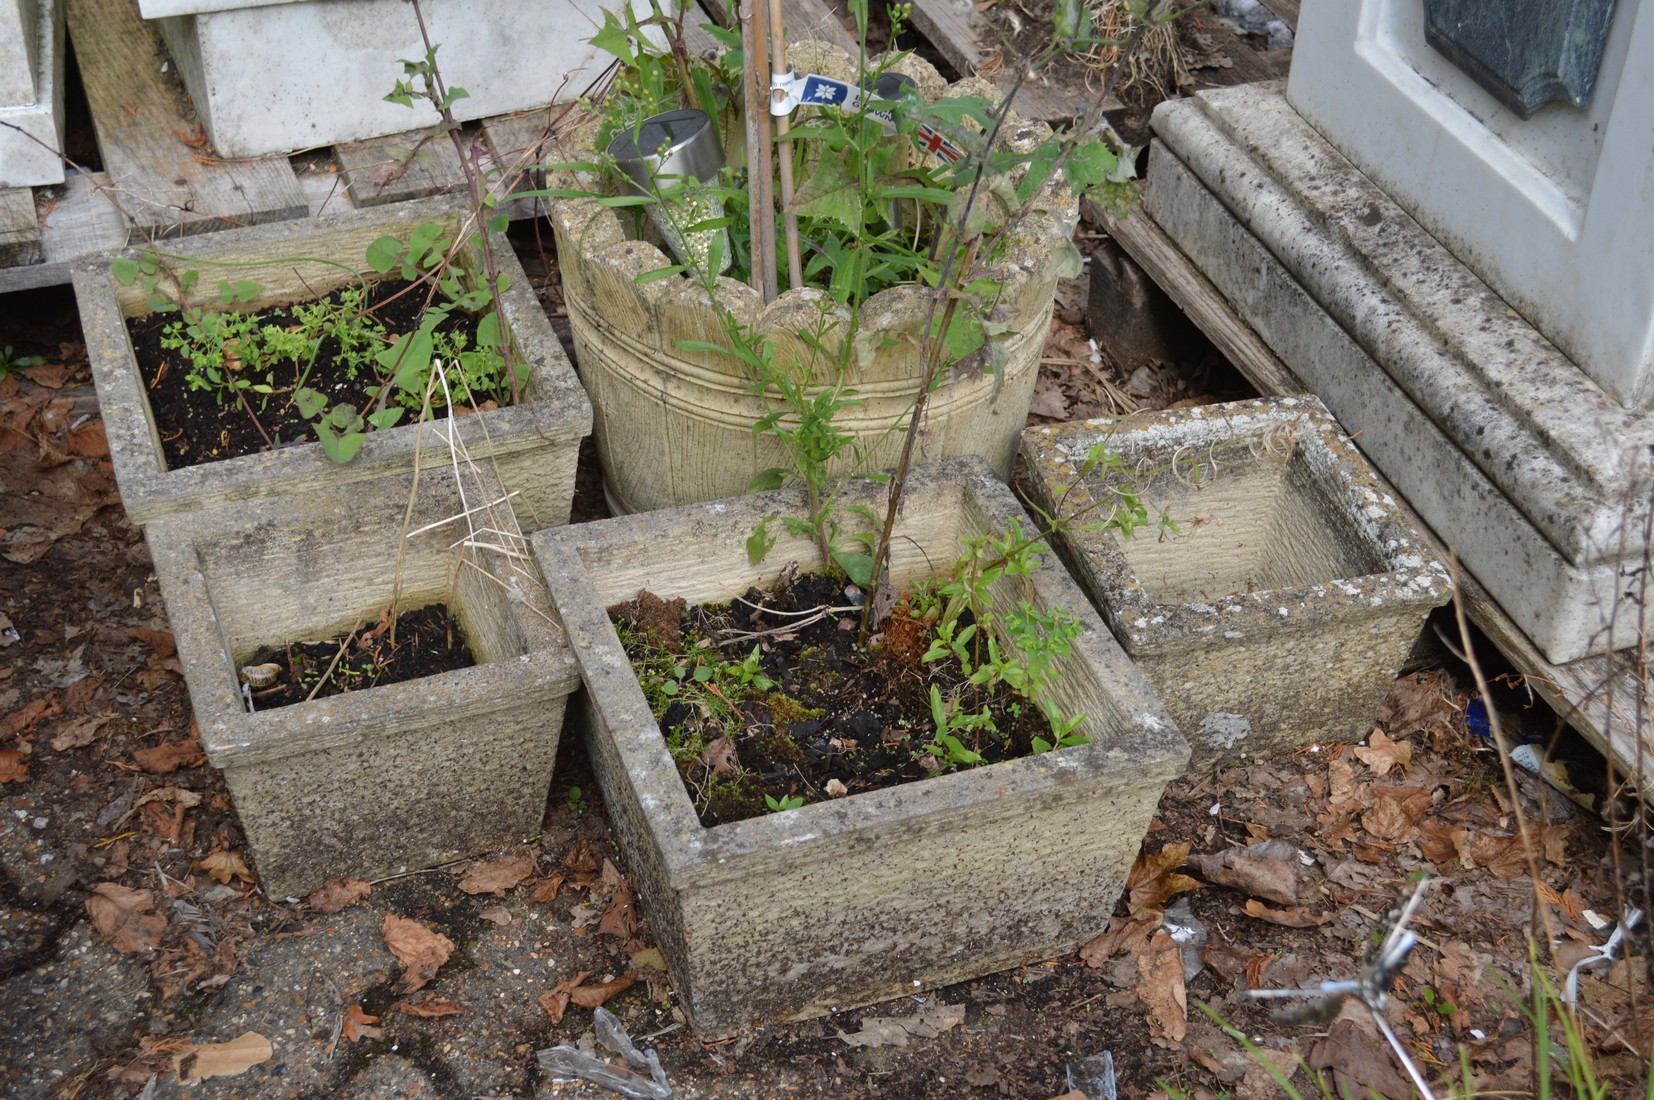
point(391, 778)
point(852, 891)
point(1556, 212)
point(255, 100)
point(31, 92)
point(1515, 459)
point(1280, 612)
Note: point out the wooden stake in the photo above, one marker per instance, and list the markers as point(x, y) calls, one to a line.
point(760, 190)
point(783, 124)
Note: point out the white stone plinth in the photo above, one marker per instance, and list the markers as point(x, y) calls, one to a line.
point(295, 75)
point(31, 92)
point(1539, 479)
point(1556, 213)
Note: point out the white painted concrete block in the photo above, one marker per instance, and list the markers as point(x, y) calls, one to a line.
point(1556, 213)
point(326, 81)
point(18, 51)
point(31, 92)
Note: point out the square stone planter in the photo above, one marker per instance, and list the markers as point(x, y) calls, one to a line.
point(368, 783)
point(1280, 612)
point(858, 899)
point(532, 445)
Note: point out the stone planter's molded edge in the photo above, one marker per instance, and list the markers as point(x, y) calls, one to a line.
point(601, 251)
point(1415, 579)
point(231, 736)
point(654, 812)
point(517, 438)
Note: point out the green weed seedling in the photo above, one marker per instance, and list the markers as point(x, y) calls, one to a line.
point(776, 805)
point(11, 361)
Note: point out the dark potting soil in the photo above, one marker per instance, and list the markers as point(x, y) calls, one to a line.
point(428, 642)
point(208, 425)
point(834, 711)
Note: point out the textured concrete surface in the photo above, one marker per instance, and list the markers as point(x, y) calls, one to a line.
point(393, 778)
point(880, 893)
point(1556, 212)
point(1512, 455)
point(31, 92)
point(256, 100)
point(533, 445)
point(1280, 612)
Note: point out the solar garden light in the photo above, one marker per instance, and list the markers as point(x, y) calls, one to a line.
point(668, 157)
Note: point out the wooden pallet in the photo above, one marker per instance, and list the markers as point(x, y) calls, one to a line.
point(1606, 698)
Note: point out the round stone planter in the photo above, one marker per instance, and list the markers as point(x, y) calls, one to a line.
point(858, 899)
point(532, 445)
point(675, 426)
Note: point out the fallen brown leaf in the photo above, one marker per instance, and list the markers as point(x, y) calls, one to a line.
point(592, 996)
point(197, 1063)
point(1387, 820)
point(1268, 869)
point(1381, 754)
point(619, 919)
point(1161, 989)
point(420, 950)
point(224, 866)
point(1151, 881)
point(79, 732)
point(358, 1025)
point(125, 918)
point(719, 756)
point(496, 914)
point(894, 1031)
point(14, 766)
point(497, 876)
point(1503, 856)
point(161, 641)
point(168, 758)
point(47, 706)
point(544, 890)
point(556, 999)
point(426, 1007)
point(333, 895)
point(1286, 918)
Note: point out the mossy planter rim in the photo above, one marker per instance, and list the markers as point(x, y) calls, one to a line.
point(553, 418)
point(1413, 575)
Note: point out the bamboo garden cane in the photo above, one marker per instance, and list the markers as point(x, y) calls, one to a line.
point(783, 124)
point(760, 192)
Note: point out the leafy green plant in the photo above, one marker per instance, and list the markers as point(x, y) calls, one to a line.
point(776, 805)
point(11, 361)
point(576, 801)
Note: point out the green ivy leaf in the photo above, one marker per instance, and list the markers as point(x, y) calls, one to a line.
point(760, 542)
point(384, 254)
point(386, 417)
point(124, 270)
point(858, 567)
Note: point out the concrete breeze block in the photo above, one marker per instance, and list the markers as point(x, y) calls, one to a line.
point(533, 445)
point(858, 899)
point(1280, 612)
point(395, 778)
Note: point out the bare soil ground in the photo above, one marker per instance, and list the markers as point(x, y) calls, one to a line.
point(137, 952)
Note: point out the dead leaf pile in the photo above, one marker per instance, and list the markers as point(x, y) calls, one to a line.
point(420, 950)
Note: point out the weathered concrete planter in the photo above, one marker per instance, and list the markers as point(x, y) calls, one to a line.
point(393, 778)
point(533, 445)
point(855, 900)
point(675, 426)
point(1281, 612)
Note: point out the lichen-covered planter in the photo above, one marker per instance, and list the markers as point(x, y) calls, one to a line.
point(533, 445)
point(1280, 612)
point(854, 900)
point(393, 778)
point(675, 426)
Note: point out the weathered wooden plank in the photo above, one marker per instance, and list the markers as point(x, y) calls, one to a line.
point(1286, 11)
point(19, 228)
point(1177, 275)
point(954, 28)
point(1247, 65)
point(77, 221)
point(139, 116)
point(411, 165)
